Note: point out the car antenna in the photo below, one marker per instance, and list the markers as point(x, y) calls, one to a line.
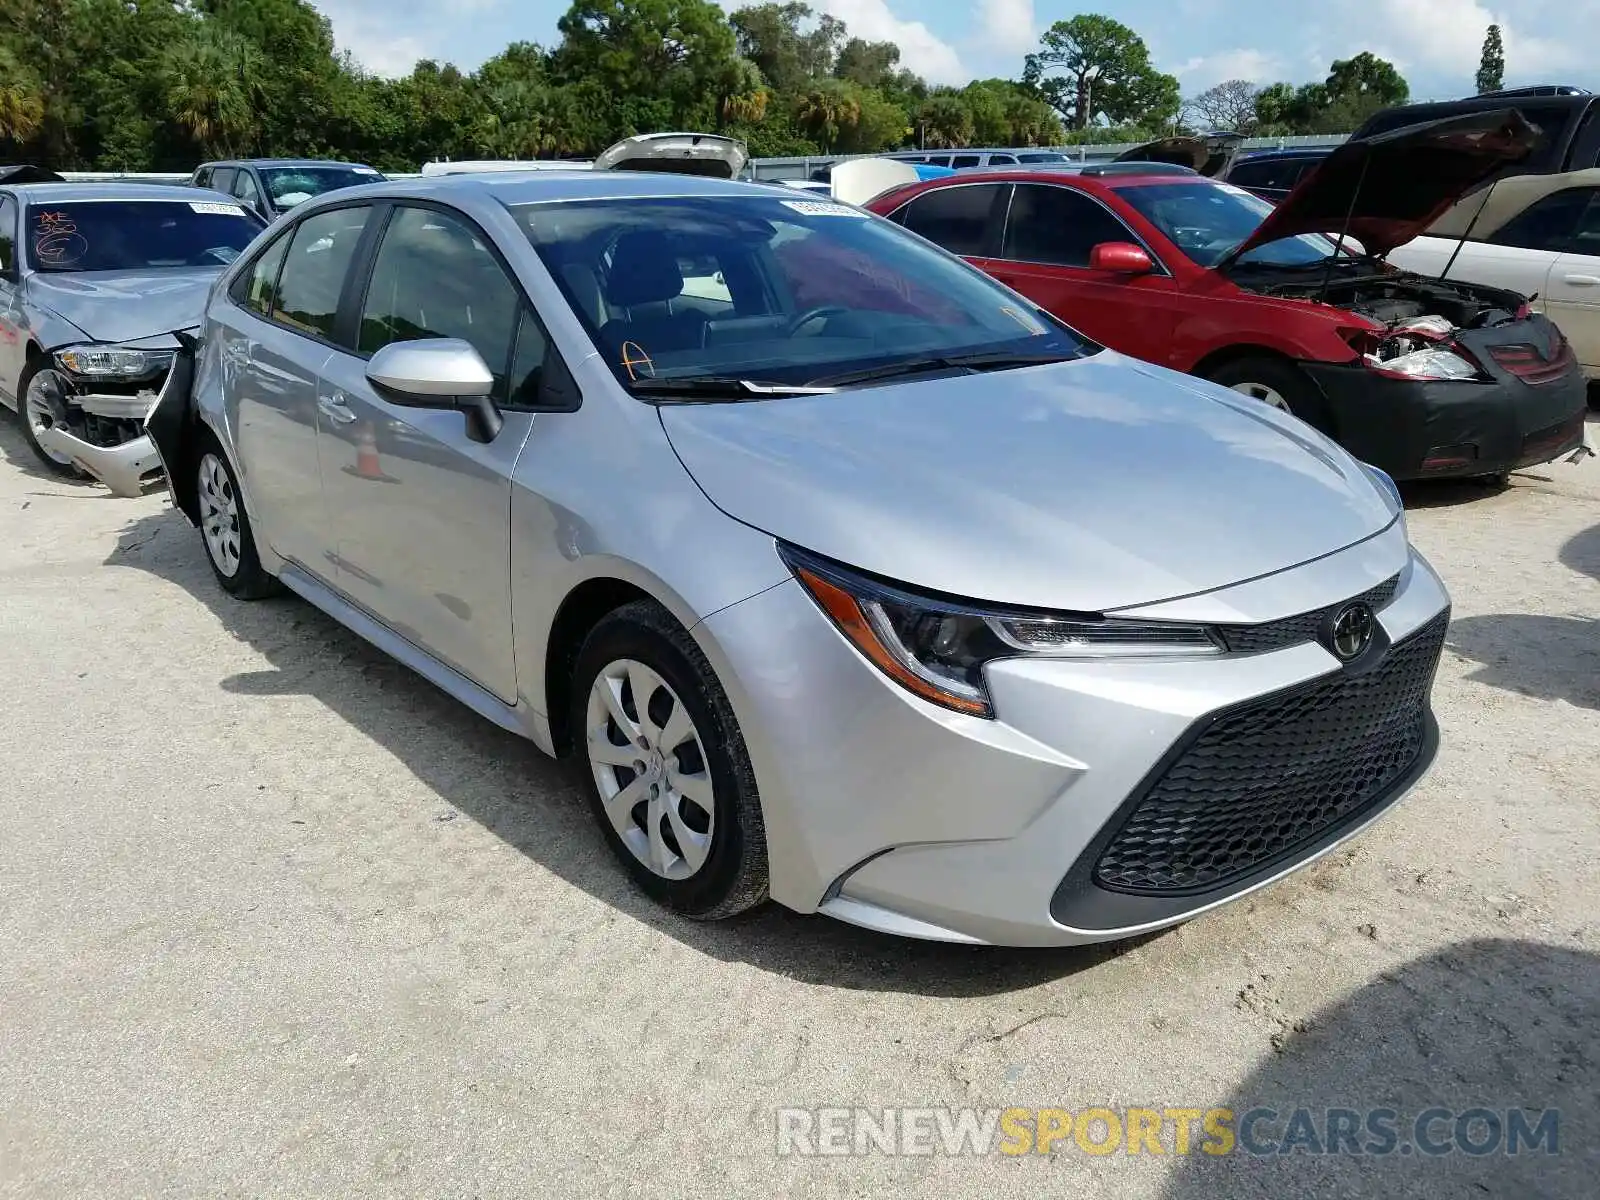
point(1349, 215)
point(1488, 192)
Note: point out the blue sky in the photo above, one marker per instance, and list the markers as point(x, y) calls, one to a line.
point(1435, 42)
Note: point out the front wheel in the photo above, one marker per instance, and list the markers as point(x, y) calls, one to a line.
point(225, 526)
point(1276, 383)
point(670, 781)
point(42, 405)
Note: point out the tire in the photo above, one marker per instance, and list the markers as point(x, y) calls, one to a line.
point(36, 368)
point(225, 530)
point(726, 872)
point(1287, 384)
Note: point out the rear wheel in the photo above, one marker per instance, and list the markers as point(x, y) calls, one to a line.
point(225, 526)
point(1276, 383)
point(42, 395)
point(670, 781)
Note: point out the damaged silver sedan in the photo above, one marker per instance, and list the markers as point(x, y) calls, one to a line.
point(96, 283)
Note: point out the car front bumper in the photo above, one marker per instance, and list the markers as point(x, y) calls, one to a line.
point(126, 469)
point(891, 813)
point(1431, 429)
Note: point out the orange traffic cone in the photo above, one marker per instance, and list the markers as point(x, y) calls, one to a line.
point(367, 465)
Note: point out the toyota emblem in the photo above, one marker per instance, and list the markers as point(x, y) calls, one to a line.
point(1352, 631)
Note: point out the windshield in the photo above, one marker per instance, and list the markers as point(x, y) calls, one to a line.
point(771, 289)
point(132, 235)
point(288, 186)
point(1207, 220)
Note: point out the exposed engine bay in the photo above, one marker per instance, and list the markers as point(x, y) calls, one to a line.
point(1421, 316)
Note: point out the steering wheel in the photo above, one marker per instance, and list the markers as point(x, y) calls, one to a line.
point(813, 314)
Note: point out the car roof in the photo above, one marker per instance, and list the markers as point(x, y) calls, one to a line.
point(280, 162)
point(68, 193)
point(1288, 152)
point(533, 187)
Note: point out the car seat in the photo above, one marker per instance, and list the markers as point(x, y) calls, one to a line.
point(642, 283)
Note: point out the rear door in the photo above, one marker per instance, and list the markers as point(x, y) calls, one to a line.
point(965, 218)
point(420, 512)
point(272, 346)
point(1050, 231)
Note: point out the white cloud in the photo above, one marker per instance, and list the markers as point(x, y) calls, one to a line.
point(1197, 74)
point(372, 37)
point(1007, 27)
point(920, 50)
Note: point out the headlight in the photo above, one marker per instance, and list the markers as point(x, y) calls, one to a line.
point(112, 362)
point(938, 648)
point(1425, 364)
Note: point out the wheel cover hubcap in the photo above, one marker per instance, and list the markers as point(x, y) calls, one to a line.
point(650, 767)
point(43, 409)
point(219, 514)
point(1261, 392)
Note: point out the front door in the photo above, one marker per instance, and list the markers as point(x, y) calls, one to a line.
point(1049, 234)
point(420, 512)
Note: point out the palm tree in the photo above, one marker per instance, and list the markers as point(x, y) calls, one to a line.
point(825, 112)
point(21, 100)
point(212, 84)
point(744, 94)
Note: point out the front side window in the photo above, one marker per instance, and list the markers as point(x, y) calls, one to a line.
point(815, 289)
point(1547, 224)
point(136, 235)
point(434, 277)
point(244, 187)
point(288, 186)
point(1207, 221)
point(962, 161)
point(1059, 226)
point(319, 255)
point(957, 218)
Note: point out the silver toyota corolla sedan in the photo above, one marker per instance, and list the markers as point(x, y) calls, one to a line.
point(851, 578)
point(96, 281)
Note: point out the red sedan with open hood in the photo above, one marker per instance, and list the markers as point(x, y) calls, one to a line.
point(1417, 376)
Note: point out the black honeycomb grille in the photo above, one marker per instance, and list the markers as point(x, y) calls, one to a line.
point(1292, 631)
point(1275, 774)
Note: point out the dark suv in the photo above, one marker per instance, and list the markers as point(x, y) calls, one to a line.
point(272, 186)
point(1272, 174)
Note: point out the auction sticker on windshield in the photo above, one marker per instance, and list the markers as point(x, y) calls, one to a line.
point(219, 210)
point(822, 208)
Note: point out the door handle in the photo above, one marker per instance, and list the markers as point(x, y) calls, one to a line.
point(1584, 280)
point(335, 409)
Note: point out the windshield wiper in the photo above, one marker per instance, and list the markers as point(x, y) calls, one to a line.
point(990, 361)
point(711, 388)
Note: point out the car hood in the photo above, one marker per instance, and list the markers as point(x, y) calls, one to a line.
point(1084, 486)
point(1210, 154)
point(1385, 190)
point(124, 306)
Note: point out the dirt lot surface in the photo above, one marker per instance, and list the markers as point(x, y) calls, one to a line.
point(277, 918)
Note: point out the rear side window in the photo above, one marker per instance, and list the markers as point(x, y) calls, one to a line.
point(1002, 160)
point(256, 289)
point(965, 160)
point(1270, 174)
point(958, 218)
point(1059, 226)
point(1547, 224)
point(8, 233)
point(222, 179)
point(314, 269)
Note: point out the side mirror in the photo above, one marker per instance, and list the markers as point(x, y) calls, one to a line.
point(438, 373)
point(1122, 258)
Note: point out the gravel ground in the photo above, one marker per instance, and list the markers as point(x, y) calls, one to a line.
point(277, 918)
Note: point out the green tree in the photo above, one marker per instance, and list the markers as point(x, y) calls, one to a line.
point(1367, 78)
point(1492, 63)
point(212, 80)
point(21, 100)
point(869, 64)
point(945, 121)
point(826, 111)
point(1092, 66)
point(785, 46)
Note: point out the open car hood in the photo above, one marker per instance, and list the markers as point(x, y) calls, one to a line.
point(676, 154)
point(1210, 154)
point(27, 173)
point(1385, 190)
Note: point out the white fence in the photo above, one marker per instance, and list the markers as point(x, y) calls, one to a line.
point(786, 168)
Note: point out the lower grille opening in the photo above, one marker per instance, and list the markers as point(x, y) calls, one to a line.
point(1264, 779)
